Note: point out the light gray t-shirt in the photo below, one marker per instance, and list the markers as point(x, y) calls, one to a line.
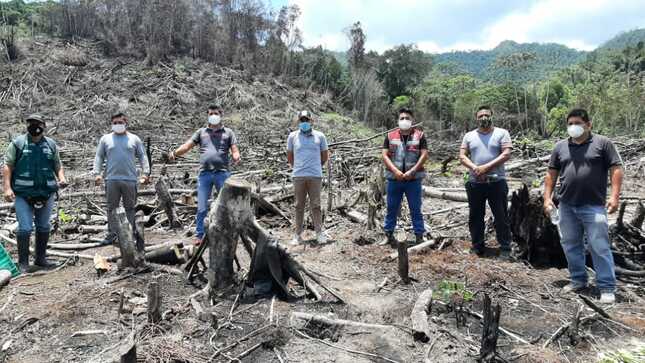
point(484, 148)
point(306, 150)
point(120, 153)
point(214, 146)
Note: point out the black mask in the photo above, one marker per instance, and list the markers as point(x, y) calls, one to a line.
point(485, 123)
point(35, 129)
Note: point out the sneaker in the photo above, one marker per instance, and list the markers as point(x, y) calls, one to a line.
point(297, 239)
point(322, 237)
point(573, 287)
point(607, 298)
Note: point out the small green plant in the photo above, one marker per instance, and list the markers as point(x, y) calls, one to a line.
point(448, 289)
point(536, 183)
point(466, 177)
point(64, 217)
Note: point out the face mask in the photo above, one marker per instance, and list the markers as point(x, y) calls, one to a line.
point(305, 126)
point(214, 120)
point(118, 128)
point(405, 124)
point(485, 123)
point(575, 131)
point(35, 129)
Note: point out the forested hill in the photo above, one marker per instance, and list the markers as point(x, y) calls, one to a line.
point(624, 40)
point(544, 59)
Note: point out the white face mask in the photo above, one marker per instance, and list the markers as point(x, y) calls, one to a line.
point(575, 131)
point(405, 124)
point(214, 120)
point(118, 128)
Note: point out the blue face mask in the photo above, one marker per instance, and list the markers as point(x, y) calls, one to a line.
point(305, 126)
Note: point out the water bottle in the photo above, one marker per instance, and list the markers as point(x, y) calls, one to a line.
point(555, 216)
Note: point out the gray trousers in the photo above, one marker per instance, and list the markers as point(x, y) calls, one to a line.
point(117, 191)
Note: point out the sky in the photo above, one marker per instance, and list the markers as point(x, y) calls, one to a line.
point(438, 26)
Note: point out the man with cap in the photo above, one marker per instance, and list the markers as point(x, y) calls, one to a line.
point(307, 152)
point(120, 150)
point(405, 150)
point(215, 142)
point(32, 175)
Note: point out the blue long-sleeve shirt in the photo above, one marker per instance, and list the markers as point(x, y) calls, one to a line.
point(120, 152)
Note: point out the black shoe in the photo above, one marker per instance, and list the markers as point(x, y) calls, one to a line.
point(23, 252)
point(418, 239)
point(391, 240)
point(41, 251)
point(505, 254)
point(479, 251)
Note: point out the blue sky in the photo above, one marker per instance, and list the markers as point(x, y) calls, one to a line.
point(444, 25)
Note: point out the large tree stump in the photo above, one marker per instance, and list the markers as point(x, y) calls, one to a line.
point(537, 239)
point(130, 256)
point(165, 200)
point(228, 214)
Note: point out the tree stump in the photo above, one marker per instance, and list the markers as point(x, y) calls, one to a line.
point(130, 256)
point(228, 214)
point(403, 262)
point(165, 200)
point(490, 331)
point(537, 239)
point(419, 317)
point(139, 221)
point(154, 303)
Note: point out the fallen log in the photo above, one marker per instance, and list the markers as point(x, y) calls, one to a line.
point(321, 319)
point(434, 193)
point(414, 250)
point(419, 316)
point(269, 207)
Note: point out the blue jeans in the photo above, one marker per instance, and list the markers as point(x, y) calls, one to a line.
point(27, 215)
point(205, 182)
point(588, 221)
point(395, 191)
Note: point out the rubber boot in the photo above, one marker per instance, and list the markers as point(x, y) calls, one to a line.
point(23, 252)
point(419, 239)
point(41, 250)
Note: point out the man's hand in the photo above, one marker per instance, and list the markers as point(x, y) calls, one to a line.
point(144, 180)
point(612, 205)
point(409, 175)
point(62, 184)
point(9, 196)
point(98, 180)
point(398, 175)
point(481, 170)
point(172, 156)
point(236, 159)
point(548, 206)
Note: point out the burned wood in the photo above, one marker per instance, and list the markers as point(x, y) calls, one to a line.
point(414, 250)
point(419, 316)
point(130, 256)
point(166, 202)
point(402, 249)
point(128, 350)
point(490, 331)
point(154, 302)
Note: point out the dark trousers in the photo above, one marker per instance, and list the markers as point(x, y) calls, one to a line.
point(496, 195)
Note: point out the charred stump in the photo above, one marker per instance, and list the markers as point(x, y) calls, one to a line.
point(230, 217)
point(537, 239)
point(165, 201)
point(130, 256)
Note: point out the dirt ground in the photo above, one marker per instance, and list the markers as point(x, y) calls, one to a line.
point(72, 314)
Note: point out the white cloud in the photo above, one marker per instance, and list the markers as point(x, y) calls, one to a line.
point(445, 25)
